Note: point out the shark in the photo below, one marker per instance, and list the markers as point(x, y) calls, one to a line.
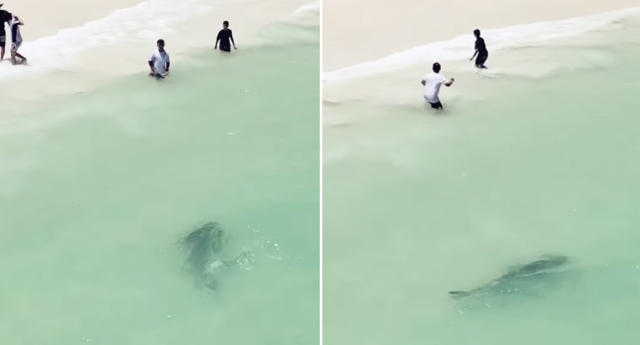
point(205, 254)
point(519, 278)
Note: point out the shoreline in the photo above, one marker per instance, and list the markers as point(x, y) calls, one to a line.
point(128, 29)
point(460, 47)
point(69, 13)
point(385, 31)
point(383, 85)
point(77, 59)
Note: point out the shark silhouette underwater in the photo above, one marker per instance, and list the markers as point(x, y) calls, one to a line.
point(527, 278)
point(206, 261)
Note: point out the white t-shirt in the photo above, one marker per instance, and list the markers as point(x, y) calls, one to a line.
point(433, 81)
point(160, 61)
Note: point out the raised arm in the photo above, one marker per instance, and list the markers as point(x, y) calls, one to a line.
point(450, 82)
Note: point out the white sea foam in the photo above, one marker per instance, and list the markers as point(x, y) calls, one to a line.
point(497, 39)
point(142, 22)
point(310, 8)
point(301, 25)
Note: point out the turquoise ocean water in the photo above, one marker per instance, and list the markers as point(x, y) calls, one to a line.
point(536, 156)
point(97, 188)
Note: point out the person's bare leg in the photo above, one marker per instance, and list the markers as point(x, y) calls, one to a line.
point(15, 56)
point(23, 59)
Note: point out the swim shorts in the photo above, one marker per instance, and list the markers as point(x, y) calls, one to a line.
point(436, 105)
point(480, 60)
point(3, 40)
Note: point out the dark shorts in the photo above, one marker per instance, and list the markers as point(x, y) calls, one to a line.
point(481, 59)
point(436, 105)
point(3, 40)
point(225, 48)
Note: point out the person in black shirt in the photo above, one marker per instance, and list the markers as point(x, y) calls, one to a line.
point(4, 17)
point(224, 36)
point(481, 50)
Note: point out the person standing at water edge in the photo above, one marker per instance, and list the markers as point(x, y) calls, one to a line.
point(4, 17)
point(432, 83)
point(224, 36)
point(481, 50)
point(17, 41)
point(159, 61)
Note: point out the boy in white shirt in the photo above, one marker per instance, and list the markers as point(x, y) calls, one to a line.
point(432, 83)
point(159, 61)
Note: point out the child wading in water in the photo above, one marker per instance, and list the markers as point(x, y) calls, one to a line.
point(224, 36)
point(16, 38)
point(481, 50)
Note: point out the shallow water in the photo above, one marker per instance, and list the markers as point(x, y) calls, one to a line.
point(96, 190)
point(535, 156)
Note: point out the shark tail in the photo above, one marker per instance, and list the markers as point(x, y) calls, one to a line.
point(459, 294)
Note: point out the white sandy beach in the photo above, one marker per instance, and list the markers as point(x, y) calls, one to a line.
point(44, 18)
point(357, 31)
